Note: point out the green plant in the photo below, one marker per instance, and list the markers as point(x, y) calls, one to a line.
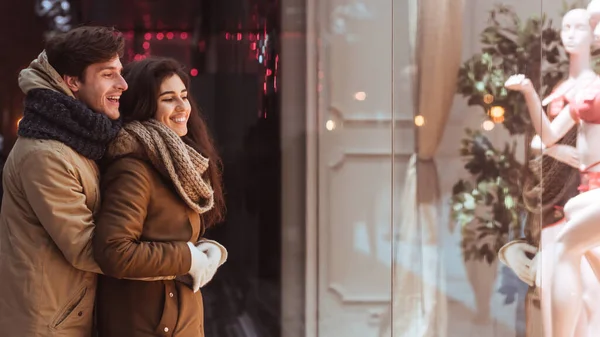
point(511, 46)
point(491, 199)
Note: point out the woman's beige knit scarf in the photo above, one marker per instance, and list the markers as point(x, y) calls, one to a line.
point(175, 160)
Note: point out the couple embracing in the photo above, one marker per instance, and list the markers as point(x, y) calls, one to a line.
point(107, 193)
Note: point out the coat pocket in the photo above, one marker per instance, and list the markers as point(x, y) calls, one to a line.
point(68, 309)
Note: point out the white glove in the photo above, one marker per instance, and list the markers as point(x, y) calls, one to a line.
point(216, 250)
point(199, 266)
point(216, 254)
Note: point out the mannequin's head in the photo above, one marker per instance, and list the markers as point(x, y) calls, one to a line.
point(593, 10)
point(576, 33)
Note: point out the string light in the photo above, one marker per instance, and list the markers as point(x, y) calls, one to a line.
point(360, 96)
point(487, 125)
point(330, 125)
point(496, 112)
point(488, 99)
point(498, 120)
point(419, 120)
point(259, 48)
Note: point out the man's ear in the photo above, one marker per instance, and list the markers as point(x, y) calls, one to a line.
point(72, 82)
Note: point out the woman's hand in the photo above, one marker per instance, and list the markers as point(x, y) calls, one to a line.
point(199, 268)
point(212, 251)
point(212, 248)
point(216, 254)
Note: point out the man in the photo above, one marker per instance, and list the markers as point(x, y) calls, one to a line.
point(48, 275)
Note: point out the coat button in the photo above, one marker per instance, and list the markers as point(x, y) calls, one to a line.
point(170, 294)
point(166, 329)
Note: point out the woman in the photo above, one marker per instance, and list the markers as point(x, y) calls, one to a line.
point(161, 186)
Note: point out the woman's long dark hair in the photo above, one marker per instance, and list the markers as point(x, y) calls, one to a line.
point(140, 102)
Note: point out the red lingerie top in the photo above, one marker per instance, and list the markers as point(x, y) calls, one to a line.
point(585, 107)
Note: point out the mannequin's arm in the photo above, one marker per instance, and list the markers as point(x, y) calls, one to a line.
point(550, 132)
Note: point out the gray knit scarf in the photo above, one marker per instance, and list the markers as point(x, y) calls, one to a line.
point(174, 159)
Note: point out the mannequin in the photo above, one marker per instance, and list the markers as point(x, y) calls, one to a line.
point(579, 100)
point(554, 182)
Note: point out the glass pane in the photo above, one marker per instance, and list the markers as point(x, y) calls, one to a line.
point(355, 121)
point(461, 198)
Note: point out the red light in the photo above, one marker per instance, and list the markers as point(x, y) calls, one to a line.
point(137, 57)
point(170, 35)
point(227, 35)
point(239, 36)
point(160, 36)
point(269, 72)
point(184, 36)
point(253, 46)
point(194, 72)
point(148, 36)
point(146, 45)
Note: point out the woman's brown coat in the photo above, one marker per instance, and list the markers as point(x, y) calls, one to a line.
point(142, 230)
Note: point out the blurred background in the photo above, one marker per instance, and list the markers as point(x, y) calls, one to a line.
point(352, 185)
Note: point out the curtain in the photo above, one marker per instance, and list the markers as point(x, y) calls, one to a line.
point(419, 305)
